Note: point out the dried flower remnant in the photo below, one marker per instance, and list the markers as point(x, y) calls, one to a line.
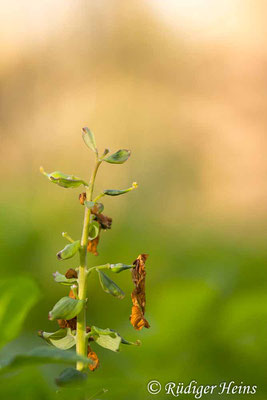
point(92, 246)
point(138, 294)
point(71, 273)
point(104, 223)
point(82, 198)
point(93, 356)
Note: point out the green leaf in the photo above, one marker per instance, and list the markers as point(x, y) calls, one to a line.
point(89, 204)
point(64, 180)
point(59, 278)
point(89, 139)
point(69, 250)
point(119, 157)
point(109, 286)
point(66, 308)
point(106, 338)
point(119, 267)
point(62, 339)
point(17, 296)
point(42, 355)
point(71, 376)
point(93, 230)
point(116, 192)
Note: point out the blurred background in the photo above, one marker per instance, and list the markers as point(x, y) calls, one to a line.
point(182, 83)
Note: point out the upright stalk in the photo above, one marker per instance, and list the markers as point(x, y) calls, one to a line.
point(81, 340)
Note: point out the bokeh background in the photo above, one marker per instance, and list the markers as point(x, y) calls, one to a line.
point(182, 83)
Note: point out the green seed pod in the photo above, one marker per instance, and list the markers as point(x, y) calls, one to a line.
point(119, 267)
point(66, 308)
point(89, 139)
point(116, 192)
point(64, 180)
point(109, 286)
point(69, 251)
point(119, 157)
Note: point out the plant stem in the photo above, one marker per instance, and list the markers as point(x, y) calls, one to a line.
point(81, 339)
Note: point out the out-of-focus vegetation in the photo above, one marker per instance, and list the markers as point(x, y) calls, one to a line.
point(192, 112)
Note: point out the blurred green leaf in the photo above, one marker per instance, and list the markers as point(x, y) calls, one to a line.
point(109, 286)
point(17, 296)
point(64, 180)
point(41, 355)
point(89, 139)
point(70, 376)
point(66, 308)
point(93, 230)
point(62, 339)
point(117, 192)
point(119, 157)
point(59, 278)
point(69, 250)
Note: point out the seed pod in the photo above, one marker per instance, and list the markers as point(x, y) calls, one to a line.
point(109, 286)
point(66, 308)
point(119, 157)
point(64, 180)
point(119, 267)
point(117, 192)
point(89, 139)
point(69, 251)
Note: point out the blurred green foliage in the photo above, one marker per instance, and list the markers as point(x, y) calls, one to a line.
point(206, 302)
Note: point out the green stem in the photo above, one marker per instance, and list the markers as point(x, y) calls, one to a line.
point(81, 339)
